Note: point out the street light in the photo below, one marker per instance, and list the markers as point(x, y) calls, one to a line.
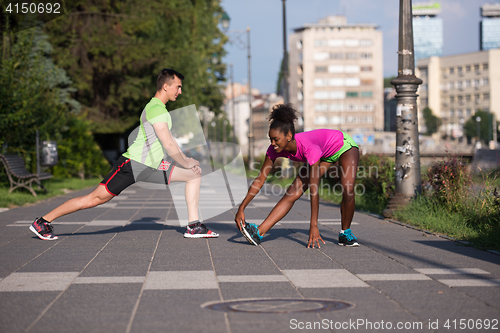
point(285, 59)
point(225, 20)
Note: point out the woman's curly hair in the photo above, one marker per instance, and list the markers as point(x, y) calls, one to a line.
point(282, 118)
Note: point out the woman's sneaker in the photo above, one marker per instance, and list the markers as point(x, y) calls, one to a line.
point(347, 238)
point(251, 233)
point(43, 229)
point(199, 230)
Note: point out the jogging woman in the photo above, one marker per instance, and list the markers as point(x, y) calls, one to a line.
point(319, 149)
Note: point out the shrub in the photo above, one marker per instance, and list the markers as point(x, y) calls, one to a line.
point(449, 182)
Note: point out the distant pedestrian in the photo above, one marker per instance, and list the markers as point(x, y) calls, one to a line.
point(319, 149)
point(144, 161)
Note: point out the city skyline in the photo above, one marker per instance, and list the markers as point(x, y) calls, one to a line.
point(460, 19)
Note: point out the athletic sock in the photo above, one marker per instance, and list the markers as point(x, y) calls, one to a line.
point(193, 222)
point(342, 231)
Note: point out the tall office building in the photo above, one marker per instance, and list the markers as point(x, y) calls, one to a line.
point(336, 78)
point(489, 28)
point(427, 30)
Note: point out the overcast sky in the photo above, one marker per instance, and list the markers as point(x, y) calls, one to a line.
point(264, 17)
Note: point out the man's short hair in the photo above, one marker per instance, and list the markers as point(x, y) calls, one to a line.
point(166, 76)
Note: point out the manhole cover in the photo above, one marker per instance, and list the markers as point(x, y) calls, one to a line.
point(281, 305)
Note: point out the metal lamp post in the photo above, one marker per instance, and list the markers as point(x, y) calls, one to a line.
point(225, 24)
point(286, 96)
point(408, 182)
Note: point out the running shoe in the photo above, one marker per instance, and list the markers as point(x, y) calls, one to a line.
point(251, 233)
point(199, 230)
point(43, 230)
point(347, 239)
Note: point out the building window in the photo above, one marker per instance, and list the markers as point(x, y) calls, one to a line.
point(337, 94)
point(319, 56)
point(486, 96)
point(338, 55)
point(337, 107)
point(335, 69)
point(369, 82)
point(352, 107)
point(352, 94)
point(321, 95)
point(452, 99)
point(336, 82)
point(467, 83)
point(366, 68)
point(366, 42)
point(300, 83)
point(452, 70)
point(467, 69)
point(452, 113)
point(459, 113)
point(352, 82)
point(352, 42)
point(366, 94)
point(365, 55)
point(476, 83)
point(321, 107)
point(485, 66)
point(459, 84)
point(486, 81)
point(320, 82)
point(319, 69)
point(367, 107)
point(476, 67)
point(335, 42)
point(300, 96)
point(467, 98)
point(351, 55)
point(352, 69)
point(468, 112)
point(322, 120)
point(459, 70)
point(300, 71)
point(320, 42)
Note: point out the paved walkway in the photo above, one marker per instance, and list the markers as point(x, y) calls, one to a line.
point(125, 267)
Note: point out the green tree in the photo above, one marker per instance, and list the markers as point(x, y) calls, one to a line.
point(387, 81)
point(432, 122)
point(485, 126)
point(113, 51)
point(35, 95)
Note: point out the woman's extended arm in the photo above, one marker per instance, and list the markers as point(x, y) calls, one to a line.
point(254, 189)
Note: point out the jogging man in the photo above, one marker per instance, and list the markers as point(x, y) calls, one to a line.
point(144, 161)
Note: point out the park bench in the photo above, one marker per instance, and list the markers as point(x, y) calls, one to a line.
point(19, 176)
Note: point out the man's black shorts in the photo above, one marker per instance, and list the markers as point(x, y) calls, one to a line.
point(127, 172)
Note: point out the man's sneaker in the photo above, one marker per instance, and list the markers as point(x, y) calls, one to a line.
point(199, 230)
point(251, 233)
point(347, 239)
point(43, 230)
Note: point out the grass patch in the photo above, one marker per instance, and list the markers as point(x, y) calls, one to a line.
point(54, 186)
point(427, 214)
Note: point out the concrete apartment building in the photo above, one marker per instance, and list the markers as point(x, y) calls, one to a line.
point(336, 75)
point(454, 87)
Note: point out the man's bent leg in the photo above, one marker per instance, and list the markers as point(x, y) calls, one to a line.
point(193, 182)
